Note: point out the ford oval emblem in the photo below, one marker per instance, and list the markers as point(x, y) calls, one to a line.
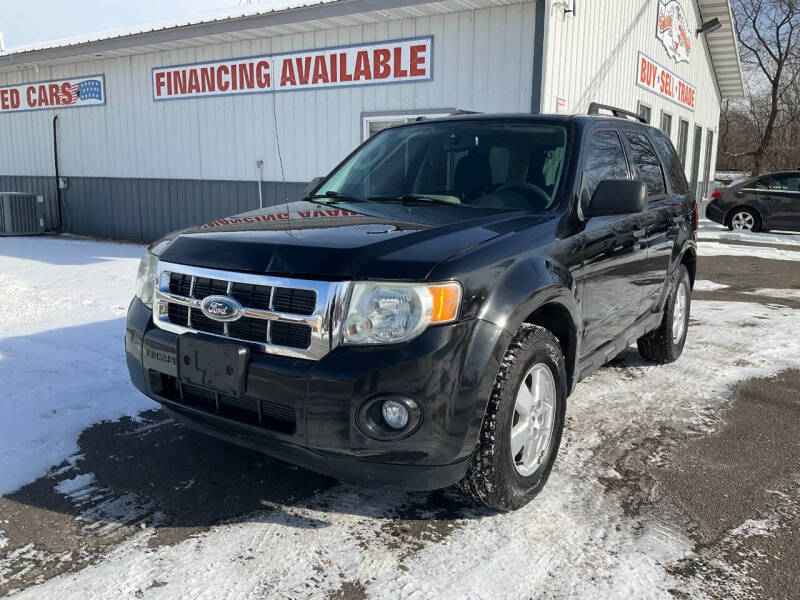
point(221, 308)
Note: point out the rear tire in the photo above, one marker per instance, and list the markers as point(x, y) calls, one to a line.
point(533, 372)
point(744, 219)
point(665, 344)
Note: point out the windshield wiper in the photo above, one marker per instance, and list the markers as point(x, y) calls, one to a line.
point(335, 197)
point(410, 198)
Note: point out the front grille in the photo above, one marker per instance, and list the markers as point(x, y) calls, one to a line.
point(249, 329)
point(300, 302)
point(204, 286)
point(262, 413)
point(290, 335)
point(283, 316)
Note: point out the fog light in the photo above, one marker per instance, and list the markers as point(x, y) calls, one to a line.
point(389, 417)
point(395, 414)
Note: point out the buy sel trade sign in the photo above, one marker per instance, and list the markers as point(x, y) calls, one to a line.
point(652, 76)
point(58, 93)
point(361, 64)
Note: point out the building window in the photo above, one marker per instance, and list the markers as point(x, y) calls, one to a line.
point(697, 148)
point(683, 140)
point(709, 155)
point(646, 112)
point(373, 123)
point(666, 123)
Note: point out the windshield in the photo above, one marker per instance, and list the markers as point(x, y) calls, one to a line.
point(480, 164)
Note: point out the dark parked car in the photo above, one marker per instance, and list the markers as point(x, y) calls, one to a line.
point(420, 318)
point(758, 204)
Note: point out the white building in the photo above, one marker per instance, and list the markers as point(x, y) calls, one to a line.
point(173, 124)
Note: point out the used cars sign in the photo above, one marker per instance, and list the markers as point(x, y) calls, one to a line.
point(360, 64)
point(61, 93)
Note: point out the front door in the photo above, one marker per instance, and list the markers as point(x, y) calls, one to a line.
point(613, 267)
point(779, 197)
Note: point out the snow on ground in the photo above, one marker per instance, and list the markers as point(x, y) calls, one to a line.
point(62, 360)
point(722, 249)
point(705, 285)
point(70, 487)
point(776, 293)
point(712, 240)
point(574, 540)
point(62, 368)
point(713, 231)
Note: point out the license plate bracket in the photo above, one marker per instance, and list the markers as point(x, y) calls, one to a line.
point(220, 366)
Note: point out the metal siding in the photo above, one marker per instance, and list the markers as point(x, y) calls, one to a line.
point(482, 61)
point(145, 209)
point(593, 57)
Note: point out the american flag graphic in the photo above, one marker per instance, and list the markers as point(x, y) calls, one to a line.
point(90, 89)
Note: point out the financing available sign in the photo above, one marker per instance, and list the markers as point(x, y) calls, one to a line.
point(663, 82)
point(395, 61)
point(58, 93)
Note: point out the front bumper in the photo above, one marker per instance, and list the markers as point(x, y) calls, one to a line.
point(308, 408)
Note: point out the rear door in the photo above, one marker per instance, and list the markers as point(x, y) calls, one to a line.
point(658, 166)
point(613, 269)
point(779, 197)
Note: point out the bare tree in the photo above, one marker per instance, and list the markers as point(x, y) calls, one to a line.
point(769, 37)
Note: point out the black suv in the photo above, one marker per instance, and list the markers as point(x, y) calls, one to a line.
point(419, 319)
point(766, 202)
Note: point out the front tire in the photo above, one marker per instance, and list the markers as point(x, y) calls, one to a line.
point(521, 430)
point(665, 344)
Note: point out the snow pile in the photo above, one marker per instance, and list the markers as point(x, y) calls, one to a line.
point(721, 249)
point(713, 231)
point(62, 359)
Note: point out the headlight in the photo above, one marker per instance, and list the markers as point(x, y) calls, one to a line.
point(146, 278)
point(387, 313)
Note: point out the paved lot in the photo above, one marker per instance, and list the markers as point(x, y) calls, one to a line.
point(678, 481)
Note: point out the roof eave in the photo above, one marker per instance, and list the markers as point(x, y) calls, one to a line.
point(723, 48)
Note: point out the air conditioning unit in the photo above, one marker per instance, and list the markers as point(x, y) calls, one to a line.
point(21, 214)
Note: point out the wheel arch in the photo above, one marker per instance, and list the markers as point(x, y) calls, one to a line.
point(689, 260)
point(557, 319)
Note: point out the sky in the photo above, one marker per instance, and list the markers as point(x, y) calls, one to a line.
point(28, 21)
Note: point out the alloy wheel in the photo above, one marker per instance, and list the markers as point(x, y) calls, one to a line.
point(534, 415)
point(679, 313)
point(743, 221)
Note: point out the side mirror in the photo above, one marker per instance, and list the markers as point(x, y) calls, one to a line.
point(617, 197)
point(311, 185)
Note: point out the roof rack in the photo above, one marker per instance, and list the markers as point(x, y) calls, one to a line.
point(620, 113)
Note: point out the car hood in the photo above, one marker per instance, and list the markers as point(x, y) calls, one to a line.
point(342, 241)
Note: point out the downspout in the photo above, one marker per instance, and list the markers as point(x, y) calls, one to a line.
point(58, 187)
point(260, 167)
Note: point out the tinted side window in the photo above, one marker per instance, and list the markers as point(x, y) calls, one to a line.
point(605, 159)
point(784, 183)
point(646, 163)
point(677, 178)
